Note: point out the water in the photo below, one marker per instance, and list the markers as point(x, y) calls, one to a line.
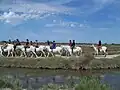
point(36, 78)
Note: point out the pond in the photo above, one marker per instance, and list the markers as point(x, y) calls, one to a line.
point(35, 77)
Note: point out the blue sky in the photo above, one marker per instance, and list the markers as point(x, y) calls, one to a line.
point(60, 20)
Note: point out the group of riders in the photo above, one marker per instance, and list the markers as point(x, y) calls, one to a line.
point(53, 46)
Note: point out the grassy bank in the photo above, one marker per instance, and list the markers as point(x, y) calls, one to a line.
point(86, 83)
point(84, 62)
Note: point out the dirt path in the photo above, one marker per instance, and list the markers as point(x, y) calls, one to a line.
point(108, 56)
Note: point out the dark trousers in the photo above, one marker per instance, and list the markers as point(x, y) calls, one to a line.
point(72, 47)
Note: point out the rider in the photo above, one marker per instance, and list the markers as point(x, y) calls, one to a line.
point(31, 43)
point(48, 42)
point(36, 43)
point(5, 44)
point(73, 45)
point(99, 45)
point(27, 44)
point(18, 42)
point(53, 45)
point(70, 43)
point(9, 41)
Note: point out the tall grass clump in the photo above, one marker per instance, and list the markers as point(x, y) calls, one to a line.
point(91, 83)
point(9, 82)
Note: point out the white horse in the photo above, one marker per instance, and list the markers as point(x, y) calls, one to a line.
point(77, 50)
point(28, 50)
point(41, 49)
point(9, 49)
point(52, 51)
point(102, 49)
point(20, 47)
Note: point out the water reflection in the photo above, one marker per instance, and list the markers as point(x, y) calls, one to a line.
point(35, 79)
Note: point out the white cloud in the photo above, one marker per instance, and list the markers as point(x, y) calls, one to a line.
point(29, 10)
point(66, 24)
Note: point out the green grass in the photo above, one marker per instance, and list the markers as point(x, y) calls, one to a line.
point(86, 83)
point(91, 83)
point(87, 61)
point(50, 62)
point(7, 82)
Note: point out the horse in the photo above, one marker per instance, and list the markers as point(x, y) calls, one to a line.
point(21, 48)
point(102, 49)
point(68, 50)
point(9, 49)
point(41, 49)
point(51, 51)
point(30, 49)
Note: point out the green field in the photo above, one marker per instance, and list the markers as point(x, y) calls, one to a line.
point(83, 62)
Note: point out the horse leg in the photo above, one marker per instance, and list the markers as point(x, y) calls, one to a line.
point(8, 53)
point(67, 53)
point(25, 54)
point(105, 53)
point(44, 53)
point(60, 53)
point(35, 54)
point(41, 53)
point(1, 53)
point(21, 54)
point(48, 54)
point(32, 55)
point(79, 53)
point(52, 53)
point(12, 53)
point(96, 52)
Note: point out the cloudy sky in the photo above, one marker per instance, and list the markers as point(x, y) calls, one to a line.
point(60, 20)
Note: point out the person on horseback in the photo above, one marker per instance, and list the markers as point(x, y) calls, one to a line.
point(99, 45)
point(18, 42)
point(31, 43)
point(9, 41)
point(70, 43)
point(15, 43)
point(53, 45)
point(73, 45)
point(27, 44)
point(4, 45)
point(37, 44)
point(48, 42)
